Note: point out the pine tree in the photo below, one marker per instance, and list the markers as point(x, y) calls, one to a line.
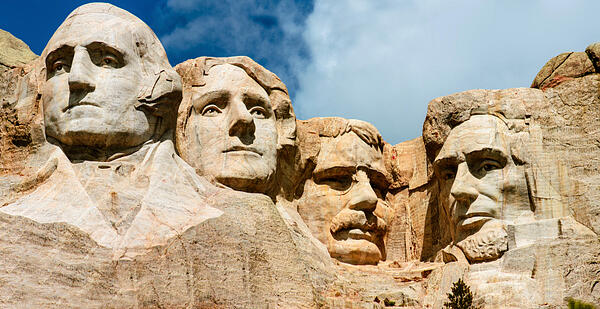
point(461, 296)
point(577, 304)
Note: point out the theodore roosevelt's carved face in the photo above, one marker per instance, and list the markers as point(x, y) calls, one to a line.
point(230, 132)
point(93, 78)
point(343, 203)
point(481, 186)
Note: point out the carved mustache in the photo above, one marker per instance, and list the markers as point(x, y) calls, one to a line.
point(353, 219)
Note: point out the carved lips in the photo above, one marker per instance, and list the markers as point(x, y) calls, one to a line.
point(473, 220)
point(80, 104)
point(242, 150)
point(354, 224)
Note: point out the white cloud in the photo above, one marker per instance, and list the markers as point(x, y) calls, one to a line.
point(383, 61)
point(270, 32)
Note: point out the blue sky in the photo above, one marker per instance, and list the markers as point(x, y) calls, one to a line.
point(380, 61)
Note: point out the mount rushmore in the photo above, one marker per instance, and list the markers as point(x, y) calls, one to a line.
point(128, 183)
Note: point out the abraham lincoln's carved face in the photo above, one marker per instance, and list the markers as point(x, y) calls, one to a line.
point(481, 186)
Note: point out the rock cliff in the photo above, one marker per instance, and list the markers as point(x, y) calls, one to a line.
point(125, 182)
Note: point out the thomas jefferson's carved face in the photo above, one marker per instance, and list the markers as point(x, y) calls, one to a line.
point(344, 202)
point(93, 78)
point(230, 132)
point(480, 184)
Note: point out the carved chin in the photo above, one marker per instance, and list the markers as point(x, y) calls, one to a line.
point(485, 245)
point(258, 182)
point(355, 251)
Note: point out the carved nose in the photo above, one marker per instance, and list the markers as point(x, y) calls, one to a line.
point(241, 122)
point(463, 188)
point(363, 196)
point(81, 75)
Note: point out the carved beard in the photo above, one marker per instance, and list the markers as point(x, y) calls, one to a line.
point(487, 244)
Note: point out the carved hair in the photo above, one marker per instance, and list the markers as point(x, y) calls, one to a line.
point(335, 126)
point(313, 131)
point(194, 71)
point(446, 113)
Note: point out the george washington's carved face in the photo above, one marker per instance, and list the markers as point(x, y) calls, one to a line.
point(93, 78)
point(480, 185)
point(343, 203)
point(230, 131)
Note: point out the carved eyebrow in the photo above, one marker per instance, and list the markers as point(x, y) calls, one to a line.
point(378, 179)
point(495, 153)
point(257, 97)
point(57, 53)
point(334, 171)
point(447, 160)
point(105, 45)
point(252, 99)
point(200, 101)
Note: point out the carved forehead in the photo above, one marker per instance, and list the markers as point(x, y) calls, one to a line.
point(229, 78)
point(478, 133)
point(85, 29)
point(226, 74)
point(348, 150)
point(102, 22)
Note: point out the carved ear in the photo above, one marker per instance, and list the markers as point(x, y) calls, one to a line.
point(160, 85)
point(161, 95)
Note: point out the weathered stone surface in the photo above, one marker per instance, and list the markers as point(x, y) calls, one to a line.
point(126, 183)
point(409, 197)
point(13, 52)
point(504, 193)
point(123, 192)
point(234, 122)
point(245, 258)
point(563, 67)
point(343, 198)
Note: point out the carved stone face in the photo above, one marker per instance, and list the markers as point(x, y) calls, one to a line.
point(231, 132)
point(93, 78)
point(343, 203)
point(480, 184)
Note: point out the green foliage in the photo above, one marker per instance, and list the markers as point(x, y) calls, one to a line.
point(461, 296)
point(389, 303)
point(577, 304)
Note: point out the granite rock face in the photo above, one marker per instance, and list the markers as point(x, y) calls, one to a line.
point(508, 197)
point(125, 182)
point(13, 52)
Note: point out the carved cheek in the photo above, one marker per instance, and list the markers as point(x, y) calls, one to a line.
point(55, 93)
point(514, 188)
point(317, 207)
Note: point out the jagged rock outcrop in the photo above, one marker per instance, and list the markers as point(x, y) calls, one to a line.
point(13, 52)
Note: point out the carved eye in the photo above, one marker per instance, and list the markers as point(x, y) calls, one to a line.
point(379, 192)
point(258, 112)
point(448, 175)
point(211, 110)
point(446, 172)
point(489, 165)
point(339, 183)
point(59, 66)
point(110, 60)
